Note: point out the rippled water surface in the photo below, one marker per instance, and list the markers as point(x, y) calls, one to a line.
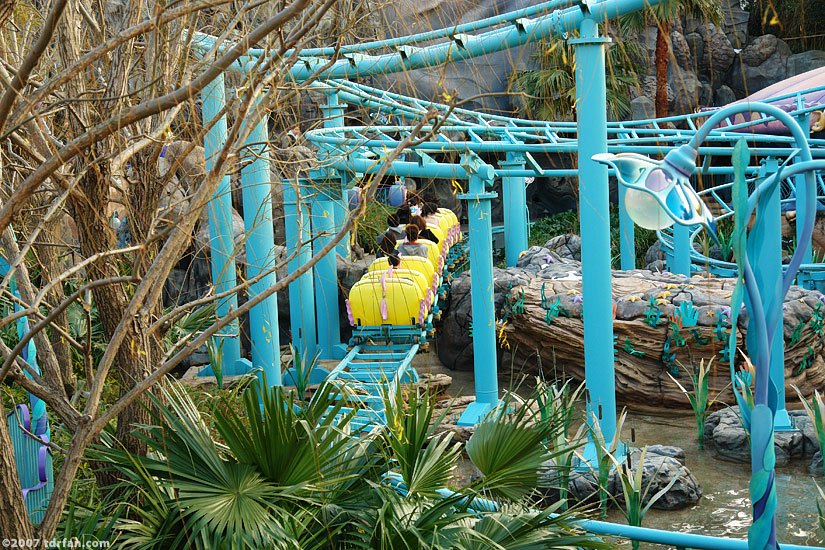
point(724, 509)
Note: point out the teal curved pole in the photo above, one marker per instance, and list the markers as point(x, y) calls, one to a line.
point(556, 24)
point(764, 300)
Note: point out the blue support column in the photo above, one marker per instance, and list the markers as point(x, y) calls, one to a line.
point(627, 236)
point(515, 209)
point(260, 247)
point(765, 251)
point(326, 271)
point(221, 241)
point(680, 261)
point(481, 290)
point(301, 299)
point(594, 213)
point(334, 118)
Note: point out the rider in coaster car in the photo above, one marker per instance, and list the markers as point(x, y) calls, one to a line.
point(423, 232)
point(429, 212)
point(414, 202)
point(386, 244)
point(396, 223)
point(411, 246)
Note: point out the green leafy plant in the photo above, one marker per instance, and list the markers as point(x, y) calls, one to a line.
point(698, 396)
point(188, 324)
point(550, 88)
point(214, 347)
point(425, 460)
point(563, 223)
point(816, 412)
point(289, 474)
point(372, 224)
point(636, 499)
point(819, 506)
point(558, 402)
point(548, 227)
point(604, 452)
point(302, 369)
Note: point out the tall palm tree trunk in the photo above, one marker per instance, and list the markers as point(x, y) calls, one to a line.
point(661, 68)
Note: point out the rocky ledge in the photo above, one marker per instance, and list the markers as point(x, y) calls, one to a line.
point(664, 324)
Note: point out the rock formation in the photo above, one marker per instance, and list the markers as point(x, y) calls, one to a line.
point(662, 321)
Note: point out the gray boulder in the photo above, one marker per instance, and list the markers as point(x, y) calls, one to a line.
point(680, 50)
point(762, 49)
point(696, 45)
point(654, 253)
point(455, 346)
point(735, 24)
point(762, 63)
point(568, 247)
point(647, 89)
point(717, 55)
point(687, 87)
point(662, 464)
point(659, 470)
point(725, 429)
point(803, 423)
point(815, 468)
point(806, 61)
point(642, 108)
point(723, 96)
point(548, 196)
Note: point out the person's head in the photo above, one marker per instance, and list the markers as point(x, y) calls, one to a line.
point(413, 198)
point(392, 220)
point(428, 208)
point(412, 232)
point(419, 222)
point(387, 244)
point(393, 259)
point(403, 215)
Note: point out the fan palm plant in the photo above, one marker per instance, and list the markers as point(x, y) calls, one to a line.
point(290, 476)
point(550, 88)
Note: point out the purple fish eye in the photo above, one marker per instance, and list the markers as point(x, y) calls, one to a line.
point(658, 179)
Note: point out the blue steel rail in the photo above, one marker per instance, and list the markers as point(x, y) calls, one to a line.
point(812, 272)
point(499, 134)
